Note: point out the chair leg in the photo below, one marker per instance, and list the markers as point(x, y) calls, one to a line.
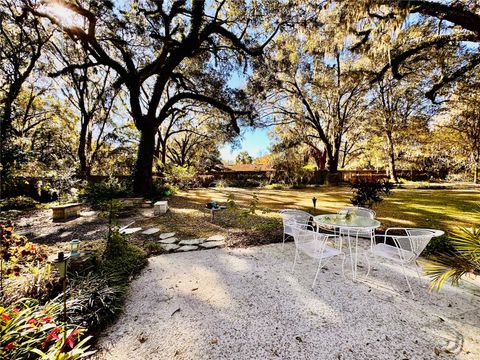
point(316, 274)
point(368, 264)
point(343, 266)
point(408, 282)
point(295, 260)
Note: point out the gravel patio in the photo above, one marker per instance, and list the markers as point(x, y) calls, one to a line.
point(247, 304)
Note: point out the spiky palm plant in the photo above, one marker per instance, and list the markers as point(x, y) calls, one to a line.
point(465, 260)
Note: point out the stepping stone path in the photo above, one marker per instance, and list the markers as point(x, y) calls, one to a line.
point(212, 244)
point(172, 240)
point(130, 230)
point(191, 242)
point(188, 248)
point(216, 238)
point(166, 235)
point(150, 231)
point(169, 247)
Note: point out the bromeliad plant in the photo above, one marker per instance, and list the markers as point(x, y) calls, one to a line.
point(465, 259)
point(30, 331)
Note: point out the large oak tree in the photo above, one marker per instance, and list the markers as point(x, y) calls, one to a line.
point(151, 45)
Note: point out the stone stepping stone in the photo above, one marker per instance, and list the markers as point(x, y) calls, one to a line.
point(166, 235)
point(87, 213)
point(172, 240)
point(65, 234)
point(169, 247)
point(216, 238)
point(212, 244)
point(188, 248)
point(150, 231)
point(130, 230)
point(191, 242)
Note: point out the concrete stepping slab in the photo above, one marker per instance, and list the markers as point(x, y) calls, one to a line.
point(212, 244)
point(167, 235)
point(188, 248)
point(151, 231)
point(172, 240)
point(130, 230)
point(191, 242)
point(216, 238)
point(169, 247)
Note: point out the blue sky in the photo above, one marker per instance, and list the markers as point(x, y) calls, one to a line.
point(255, 141)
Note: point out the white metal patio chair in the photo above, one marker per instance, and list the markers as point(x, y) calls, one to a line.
point(358, 211)
point(291, 218)
point(314, 245)
point(406, 247)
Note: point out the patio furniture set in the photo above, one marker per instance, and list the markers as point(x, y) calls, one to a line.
point(325, 237)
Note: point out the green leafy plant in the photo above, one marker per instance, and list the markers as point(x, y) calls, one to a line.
point(30, 330)
point(95, 299)
point(465, 259)
point(369, 193)
point(99, 194)
point(16, 251)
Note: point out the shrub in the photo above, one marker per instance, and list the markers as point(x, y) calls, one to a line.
point(16, 251)
point(182, 176)
point(97, 194)
point(367, 193)
point(95, 299)
point(130, 263)
point(122, 258)
point(161, 189)
point(18, 203)
point(29, 330)
point(439, 245)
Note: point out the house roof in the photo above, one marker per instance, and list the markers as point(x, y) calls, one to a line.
point(249, 167)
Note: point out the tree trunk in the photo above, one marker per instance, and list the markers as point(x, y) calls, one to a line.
point(391, 158)
point(476, 170)
point(142, 181)
point(82, 151)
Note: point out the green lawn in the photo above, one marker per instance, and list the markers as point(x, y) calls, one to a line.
point(440, 209)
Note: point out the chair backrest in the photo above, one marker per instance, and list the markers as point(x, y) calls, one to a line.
point(299, 216)
point(413, 242)
point(306, 234)
point(293, 218)
point(358, 211)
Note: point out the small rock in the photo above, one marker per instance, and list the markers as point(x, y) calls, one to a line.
point(212, 244)
point(188, 248)
point(169, 247)
point(167, 235)
point(65, 234)
point(150, 231)
point(172, 240)
point(191, 242)
point(216, 238)
point(130, 230)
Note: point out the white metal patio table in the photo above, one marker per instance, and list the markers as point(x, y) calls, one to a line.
point(349, 226)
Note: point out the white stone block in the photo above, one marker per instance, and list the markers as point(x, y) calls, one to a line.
point(160, 207)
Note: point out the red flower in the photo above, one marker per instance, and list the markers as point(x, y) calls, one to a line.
point(32, 321)
point(9, 346)
point(15, 309)
point(47, 319)
point(71, 338)
point(53, 334)
point(6, 317)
